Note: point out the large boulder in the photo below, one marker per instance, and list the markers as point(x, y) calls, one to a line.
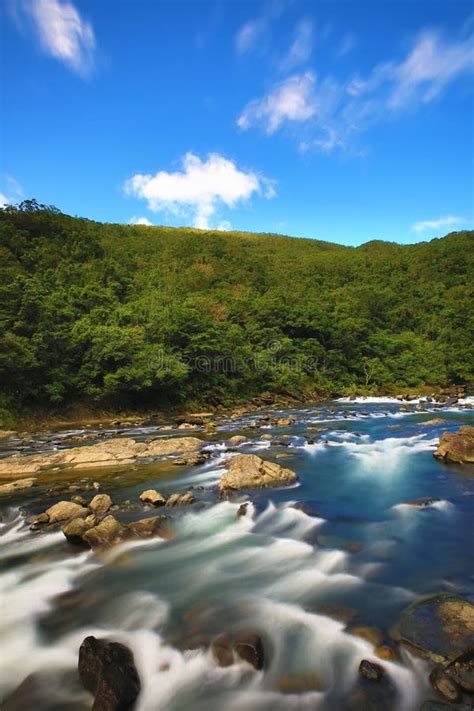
point(439, 628)
point(148, 527)
point(107, 670)
point(116, 452)
point(247, 471)
point(18, 485)
point(75, 530)
point(65, 511)
point(105, 533)
point(174, 445)
point(100, 504)
point(457, 446)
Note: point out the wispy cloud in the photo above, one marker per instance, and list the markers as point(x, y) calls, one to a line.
point(333, 111)
point(200, 189)
point(301, 47)
point(13, 191)
point(346, 45)
point(62, 33)
point(249, 34)
point(135, 220)
point(439, 224)
point(291, 100)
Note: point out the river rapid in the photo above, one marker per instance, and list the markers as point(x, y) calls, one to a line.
point(304, 567)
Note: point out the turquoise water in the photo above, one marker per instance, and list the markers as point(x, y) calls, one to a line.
point(352, 553)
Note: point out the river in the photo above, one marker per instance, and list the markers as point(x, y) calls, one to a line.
point(351, 554)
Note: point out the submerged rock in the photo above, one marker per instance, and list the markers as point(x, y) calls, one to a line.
point(75, 530)
point(440, 628)
point(237, 439)
point(249, 471)
point(248, 645)
point(185, 499)
point(462, 671)
point(444, 685)
point(457, 446)
point(107, 670)
point(148, 527)
point(18, 485)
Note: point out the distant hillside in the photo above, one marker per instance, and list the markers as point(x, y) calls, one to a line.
point(151, 316)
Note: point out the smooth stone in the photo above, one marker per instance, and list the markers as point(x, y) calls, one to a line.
point(249, 646)
point(249, 471)
point(65, 510)
point(445, 686)
point(152, 496)
point(222, 651)
point(104, 534)
point(18, 485)
point(100, 504)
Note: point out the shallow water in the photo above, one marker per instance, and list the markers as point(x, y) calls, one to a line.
point(356, 555)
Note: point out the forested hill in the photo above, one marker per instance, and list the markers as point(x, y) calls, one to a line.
point(150, 316)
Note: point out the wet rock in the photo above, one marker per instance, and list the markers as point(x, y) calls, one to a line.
point(457, 446)
point(434, 421)
point(222, 651)
point(100, 504)
point(249, 471)
point(299, 684)
point(193, 460)
point(185, 499)
point(421, 503)
point(38, 519)
point(64, 511)
point(242, 510)
point(444, 685)
point(18, 485)
point(75, 530)
point(40, 690)
point(248, 645)
point(266, 437)
point(104, 534)
point(148, 527)
point(237, 439)
point(371, 671)
point(440, 628)
point(370, 634)
point(152, 496)
point(385, 652)
point(107, 670)
point(188, 426)
point(80, 500)
point(462, 671)
point(285, 421)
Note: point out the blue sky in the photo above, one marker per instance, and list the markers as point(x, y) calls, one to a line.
point(345, 121)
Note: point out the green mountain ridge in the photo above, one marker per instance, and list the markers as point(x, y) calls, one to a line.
point(141, 316)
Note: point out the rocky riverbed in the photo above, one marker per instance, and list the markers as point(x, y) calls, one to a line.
point(318, 557)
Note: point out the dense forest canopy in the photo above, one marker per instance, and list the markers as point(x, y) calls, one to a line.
point(123, 315)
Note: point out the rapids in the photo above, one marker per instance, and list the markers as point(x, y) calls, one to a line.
point(304, 565)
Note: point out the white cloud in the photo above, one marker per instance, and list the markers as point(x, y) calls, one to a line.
point(439, 224)
point(346, 45)
point(63, 33)
point(291, 100)
point(332, 112)
point(302, 46)
point(13, 192)
point(200, 188)
point(430, 65)
point(135, 220)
